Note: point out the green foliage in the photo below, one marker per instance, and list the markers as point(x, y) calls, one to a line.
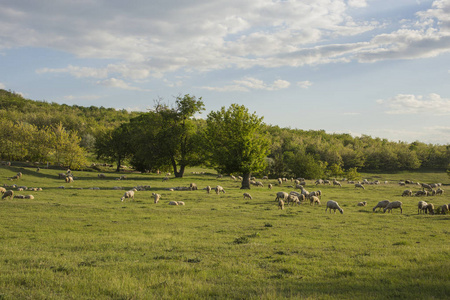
point(236, 141)
point(352, 174)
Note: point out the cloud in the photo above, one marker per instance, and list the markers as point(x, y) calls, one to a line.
point(357, 3)
point(82, 97)
point(118, 83)
point(412, 104)
point(249, 83)
point(304, 84)
point(2, 86)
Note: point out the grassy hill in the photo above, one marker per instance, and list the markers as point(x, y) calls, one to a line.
point(78, 242)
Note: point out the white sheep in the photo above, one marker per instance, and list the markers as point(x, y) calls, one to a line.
point(247, 196)
point(381, 204)
point(280, 204)
point(172, 203)
point(208, 189)
point(282, 195)
point(292, 198)
point(9, 194)
point(314, 200)
point(439, 191)
point(193, 186)
point(421, 207)
point(444, 209)
point(335, 182)
point(359, 185)
point(364, 203)
point(407, 193)
point(29, 197)
point(219, 189)
point(429, 208)
point(270, 186)
point(156, 197)
point(101, 175)
point(331, 204)
point(128, 194)
point(180, 202)
point(69, 179)
point(392, 205)
point(2, 190)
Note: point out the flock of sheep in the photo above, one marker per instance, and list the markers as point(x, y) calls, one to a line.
point(282, 198)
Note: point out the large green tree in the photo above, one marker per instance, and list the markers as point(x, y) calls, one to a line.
point(236, 142)
point(168, 137)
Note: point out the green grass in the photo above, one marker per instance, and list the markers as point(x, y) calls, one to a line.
point(78, 243)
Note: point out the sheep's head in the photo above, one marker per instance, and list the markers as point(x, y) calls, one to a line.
point(341, 211)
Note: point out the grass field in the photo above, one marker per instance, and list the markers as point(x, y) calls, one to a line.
point(80, 243)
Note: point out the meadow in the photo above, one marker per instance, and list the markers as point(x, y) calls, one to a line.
point(81, 243)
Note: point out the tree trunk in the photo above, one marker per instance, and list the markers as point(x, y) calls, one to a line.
point(246, 181)
point(119, 162)
point(180, 173)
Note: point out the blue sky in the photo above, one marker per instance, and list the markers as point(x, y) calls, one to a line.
point(373, 67)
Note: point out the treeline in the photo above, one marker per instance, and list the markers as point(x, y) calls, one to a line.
point(171, 138)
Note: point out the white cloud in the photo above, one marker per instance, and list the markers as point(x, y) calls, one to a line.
point(118, 83)
point(412, 104)
point(304, 84)
point(357, 3)
point(2, 86)
point(82, 97)
point(249, 83)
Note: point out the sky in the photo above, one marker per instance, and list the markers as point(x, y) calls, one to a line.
point(365, 67)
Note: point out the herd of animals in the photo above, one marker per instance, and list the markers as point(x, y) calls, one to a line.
point(283, 198)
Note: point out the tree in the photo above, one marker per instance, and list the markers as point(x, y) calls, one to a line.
point(236, 142)
point(167, 137)
point(114, 145)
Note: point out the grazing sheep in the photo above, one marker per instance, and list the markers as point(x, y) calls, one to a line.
point(247, 196)
point(156, 197)
point(429, 208)
point(281, 204)
point(19, 196)
point(359, 185)
point(282, 195)
point(444, 209)
point(331, 204)
point(69, 179)
point(280, 181)
point(407, 193)
point(29, 197)
point(180, 202)
point(219, 189)
point(173, 203)
point(265, 177)
point(208, 189)
point(101, 175)
point(2, 190)
point(335, 182)
point(392, 205)
point(9, 194)
point(319, 181)
point(364, 203)
point(270, 186)
point(193, 186)
point(421, 193)
point(439, 191)
point(19, 175)
point(292, 198)
point(381, 204)
point(426, 186)
point(421, 207)
point(63, 175)
point(128, 194)
point(314, 200)
point(165, 179)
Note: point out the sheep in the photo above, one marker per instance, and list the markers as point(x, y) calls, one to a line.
point(381, 204)
point(208, 189)
point(265, 177)
point(292, 198)
point(270, 186)
point(319, 181)
point(247, 196)
point(69, 179)
point(19, 196)
point(156, 197)
point(101, 175)
point(421, 206)
point(29, 197)
point(19, 175)
point(281, 204)
point(219, 189)
point(193, 186)
point(426, 186)
point(421, 193)
point(439, 191)
point(333, 205)
point(282, 195)
point(128, 194)
point(392, 205)
point(359, 185)
point(444, 209)
point(364, 203)
point(180, 202)
point(314, 200)
point(335, 182)
point(9, 194)
point(407, 193)
point(2, 190)
point(172, 203)
point(429, 208)
point(165, 179)
point(280, 181)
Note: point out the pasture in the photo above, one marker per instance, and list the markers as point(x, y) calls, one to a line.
point(81, 243)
